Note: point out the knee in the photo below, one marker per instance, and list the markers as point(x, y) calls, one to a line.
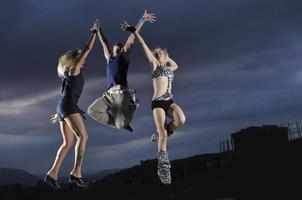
point(180, 121)
point(162, 133)
point(68, 144)
point(90, 110)
point(83, 137)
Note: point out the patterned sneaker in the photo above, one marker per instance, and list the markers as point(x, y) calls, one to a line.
point(163, 168)
point(155, 136)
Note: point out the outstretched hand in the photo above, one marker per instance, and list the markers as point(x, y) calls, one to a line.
point(53, 118)
point(96, 26)
point(124, 25)
point(150, 17)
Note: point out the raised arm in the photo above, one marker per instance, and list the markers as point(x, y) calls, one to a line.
point(75, 69)
point(172, 64)
point(150, 17)
point(152, 60)
point(104, 43)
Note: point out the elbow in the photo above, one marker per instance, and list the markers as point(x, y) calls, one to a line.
point(175, 67)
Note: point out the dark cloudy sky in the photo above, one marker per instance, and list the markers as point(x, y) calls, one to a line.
point(239, 65)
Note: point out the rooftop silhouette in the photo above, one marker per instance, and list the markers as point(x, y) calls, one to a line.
point(254, 163)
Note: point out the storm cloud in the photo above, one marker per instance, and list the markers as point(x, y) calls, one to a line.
point(239, 65)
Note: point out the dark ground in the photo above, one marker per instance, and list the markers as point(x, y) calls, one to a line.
point(267, 172)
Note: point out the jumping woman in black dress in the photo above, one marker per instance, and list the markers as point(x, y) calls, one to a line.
point(70, 115)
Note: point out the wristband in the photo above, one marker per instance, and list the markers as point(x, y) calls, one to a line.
point(141, 20)
point(131, 29)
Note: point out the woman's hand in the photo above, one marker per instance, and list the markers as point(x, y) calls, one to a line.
point(53, 118)
point(96, 26)
point(150, 17)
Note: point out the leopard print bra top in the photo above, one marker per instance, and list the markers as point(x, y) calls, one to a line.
point(164, 71)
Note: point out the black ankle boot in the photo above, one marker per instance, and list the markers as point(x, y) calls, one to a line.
point(54, 184)
point(77, 182)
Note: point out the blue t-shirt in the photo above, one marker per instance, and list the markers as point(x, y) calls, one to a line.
point(117, 69)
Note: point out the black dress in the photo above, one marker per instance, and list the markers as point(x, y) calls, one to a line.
point(71, 90)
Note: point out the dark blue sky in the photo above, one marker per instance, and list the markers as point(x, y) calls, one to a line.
point(239, 65)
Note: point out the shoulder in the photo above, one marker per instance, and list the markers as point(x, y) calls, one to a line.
point(74, 72)
point(154, 66)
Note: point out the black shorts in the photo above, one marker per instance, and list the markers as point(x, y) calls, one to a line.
point(164, 104)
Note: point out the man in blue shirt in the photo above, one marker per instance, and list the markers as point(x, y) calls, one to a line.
point(117, 105)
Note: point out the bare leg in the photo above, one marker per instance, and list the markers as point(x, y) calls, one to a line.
point(75, 122)
point(163, 166)
point(178, 117)
point(159, 118)
point(68, 141)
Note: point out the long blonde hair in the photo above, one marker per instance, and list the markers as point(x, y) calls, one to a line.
point(67, 60)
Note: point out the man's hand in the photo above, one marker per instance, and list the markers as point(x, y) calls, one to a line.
point(124, 25)
point(150, 17)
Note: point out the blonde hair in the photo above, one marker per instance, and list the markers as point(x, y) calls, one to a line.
point(158, 49)
point(67, 60)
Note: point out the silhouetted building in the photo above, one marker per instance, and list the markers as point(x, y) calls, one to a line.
point(252, 163)
point(260, 141)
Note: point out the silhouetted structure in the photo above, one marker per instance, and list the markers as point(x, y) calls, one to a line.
point(260, 141)
point(254, 163)
point(294, 130)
